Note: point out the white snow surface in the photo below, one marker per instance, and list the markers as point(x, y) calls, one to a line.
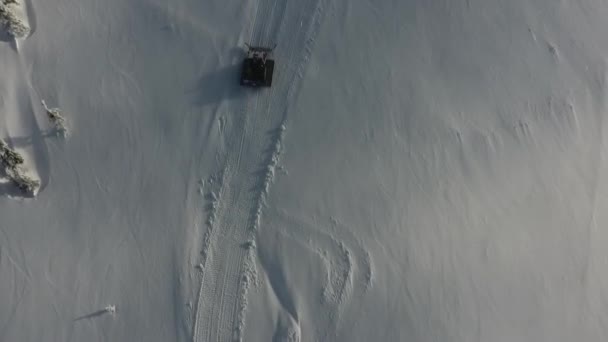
point(422, 170)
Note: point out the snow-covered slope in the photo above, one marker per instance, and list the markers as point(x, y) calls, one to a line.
point(419, 171)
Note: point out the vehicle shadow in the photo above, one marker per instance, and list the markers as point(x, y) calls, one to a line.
point(222, 84)
point(218, 86)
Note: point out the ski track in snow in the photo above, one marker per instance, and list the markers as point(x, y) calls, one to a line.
point(227, 267)
point(19, 103)
point(348, 270)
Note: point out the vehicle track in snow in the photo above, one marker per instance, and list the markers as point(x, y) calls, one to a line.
point(227, 267)
point(348, 267)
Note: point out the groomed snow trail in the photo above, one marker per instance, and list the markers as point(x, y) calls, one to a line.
point(253, 133)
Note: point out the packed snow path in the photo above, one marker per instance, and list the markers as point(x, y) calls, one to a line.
point(254, 138)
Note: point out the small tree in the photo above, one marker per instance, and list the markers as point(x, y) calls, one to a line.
point(58, 121)
point(15, 27)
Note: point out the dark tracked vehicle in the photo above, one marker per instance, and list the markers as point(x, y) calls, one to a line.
point(258, 67)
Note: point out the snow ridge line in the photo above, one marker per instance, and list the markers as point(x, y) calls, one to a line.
point(215, 195)
point(271, 166)
point(339, 283)
point(248, 278)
